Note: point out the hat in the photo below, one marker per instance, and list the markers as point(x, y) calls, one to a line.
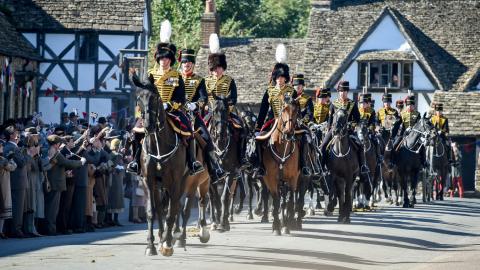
point(102, 120)
point(410, 100)
point(343, 86)
point(60, 131)
point(363, 97)
point(54, 139)
point(31, 130)
point(10, 130)
point(299, 79)
point(387, 98)
point(323, 93)
point(165, 49)
point(216, 58)
point(438, 107)
point(72, 114)
point(281, 69)
point(114, 144)
point(187, 55)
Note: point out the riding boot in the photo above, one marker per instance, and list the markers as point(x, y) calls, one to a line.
point(194, 165)
point(242, 150)
point(215, 169)
point(259, 160)
point(304, 158)
point(361, 158)
point(133, 166)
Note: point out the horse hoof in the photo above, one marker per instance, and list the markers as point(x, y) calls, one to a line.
point(299, 225)
point(327, 213)
point(311, 212)
point(204, 235)
point(166, 251)
point(406, 205)
point(397, 204)
point(285, 230)
point(264, 219)
point(238, 210)
point(277, 232)
point(230, 218)
point(213, 226)
point(346, 220)
point(181, 243)
point(249, 216)
point(411, 205)
point(223, 228)
point(318, 206)
point(258, 212)
point(340, 219)
point(151, 251)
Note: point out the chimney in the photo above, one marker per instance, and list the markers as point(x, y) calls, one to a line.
point(322, 4)
point(210, 22)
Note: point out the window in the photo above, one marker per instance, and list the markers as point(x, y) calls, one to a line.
point(87, 47)
point(385, 74)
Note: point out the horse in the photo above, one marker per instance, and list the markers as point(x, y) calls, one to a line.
point(225, 140)
point(389, 173)
point(281, 162)
point(163, 168)
point(343, 164)
point(409, 158)
point(437, 151)
point(368, 184)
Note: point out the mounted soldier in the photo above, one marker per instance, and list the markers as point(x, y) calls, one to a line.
point(353, 118)
point(368, 117)
point(322, 105)
point(197, 99)
point(219, 84)
point(272, 100)
point(387, 117)
point(440, 122)
point(170, 86)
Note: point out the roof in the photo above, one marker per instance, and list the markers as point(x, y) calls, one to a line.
point(444, 34)
point(462, 109)
point(13, 43)
point(250, 63)
point(386, 56)
point(55, 15)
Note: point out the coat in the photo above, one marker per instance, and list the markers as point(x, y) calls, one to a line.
point(18, 178)
point(56, 175)
point(116, 192)
point(6, 167)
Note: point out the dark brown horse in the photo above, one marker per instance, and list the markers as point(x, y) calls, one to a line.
point(225, 139)
point(163, 167)
point(281, 161)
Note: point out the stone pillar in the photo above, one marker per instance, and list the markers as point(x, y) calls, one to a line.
point(210, 22)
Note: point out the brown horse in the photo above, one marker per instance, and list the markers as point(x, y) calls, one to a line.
point(281, 161)
point(163, 167)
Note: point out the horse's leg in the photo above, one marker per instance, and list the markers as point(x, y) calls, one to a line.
point(204, 234)
point(406, 200)
point(182, 238)
point(265, 195)
point(291, 222)
point(233, 194)
point(174, 202)
point(250, 196)
point(276, 226)
point(224, 224)
point(348, 199)
point(319, 199)
point(243, 193)
point(150, 250)
point(340, 187)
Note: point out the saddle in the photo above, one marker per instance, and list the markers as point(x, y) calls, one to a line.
point(178, 126)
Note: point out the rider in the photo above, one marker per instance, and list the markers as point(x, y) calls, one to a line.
point(322, 105)
point(400, 104)
point(220, 84)
point(368, 116)
point(388, 111)
point(272, 103)
point(351, 108)
point(171, 88)
point(306, 115)
point(440, 122)
point(197, 98)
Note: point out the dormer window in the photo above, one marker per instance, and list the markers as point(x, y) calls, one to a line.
point(381, 74)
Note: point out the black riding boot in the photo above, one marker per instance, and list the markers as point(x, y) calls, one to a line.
point(242, 150)
point(259, 160)
point(134, 165)
point(361, 157)
point(306, 171)
point(216, 171)
point(194, 165)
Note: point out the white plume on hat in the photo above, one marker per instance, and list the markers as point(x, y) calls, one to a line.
point(165, 31)
point(214, 43)
point(281, 54)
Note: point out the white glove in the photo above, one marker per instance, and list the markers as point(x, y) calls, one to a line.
point(439, 132)
point(83, 160)
point(165, 105)
point(191, 106)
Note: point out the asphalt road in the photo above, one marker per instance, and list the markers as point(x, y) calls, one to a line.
point(443, 235)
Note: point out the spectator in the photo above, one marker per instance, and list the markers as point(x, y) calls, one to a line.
point(6, 166)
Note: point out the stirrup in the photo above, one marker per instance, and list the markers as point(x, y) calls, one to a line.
point(196, 168)
point(364, 169)
point(306, 171)
point(132, 167)
point(220, 174)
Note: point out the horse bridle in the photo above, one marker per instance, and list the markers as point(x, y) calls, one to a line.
point(282, 158)
point(220, 152)
point(423, 136)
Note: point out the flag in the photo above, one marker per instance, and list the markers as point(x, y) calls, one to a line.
point(84, 115)
point(48, 92)
point(64, 105)
point(55, 98)
point(114, 76)
point(114, 115)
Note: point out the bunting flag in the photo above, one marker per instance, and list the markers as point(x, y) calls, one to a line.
point(114, 115)
point(114, 76)
point(48, 92)
point(84, 114)
point(55, 98)
point(64, 105)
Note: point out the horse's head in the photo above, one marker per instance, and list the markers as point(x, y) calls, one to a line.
point(152, 112)
point(422, 130)
point(248, 116)
point(362, 131)
point(339, 124)
point(288, 115)
point(220, 115)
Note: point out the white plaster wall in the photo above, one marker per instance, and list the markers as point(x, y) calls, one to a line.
point(102, 106)
point(114, 43)
point(86, 77)
point(351, 75)
point(50, 110)
point(422, 105)
point(58, 42)
point(386, 36)
point(57, 76)
point(32, 38)
point(420, 80)
point(111, 83)
point(75, 103)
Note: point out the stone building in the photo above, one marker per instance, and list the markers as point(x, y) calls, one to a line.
point(427, 46)
point(81, 43)
point(18, 61)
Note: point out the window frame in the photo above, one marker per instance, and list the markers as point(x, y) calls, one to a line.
point(380, 64)
point(93, 57)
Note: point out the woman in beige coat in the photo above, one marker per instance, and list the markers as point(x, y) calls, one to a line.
point(6, 166)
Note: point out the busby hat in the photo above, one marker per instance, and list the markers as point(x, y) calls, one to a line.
point(363, 97)
point(323, 93)
point(187, 55)
point(216, 58)
point(387, 98)
point(438, 107)
point(165, 49)
point(299, 79)
point(343, 86)
point(281, 69)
